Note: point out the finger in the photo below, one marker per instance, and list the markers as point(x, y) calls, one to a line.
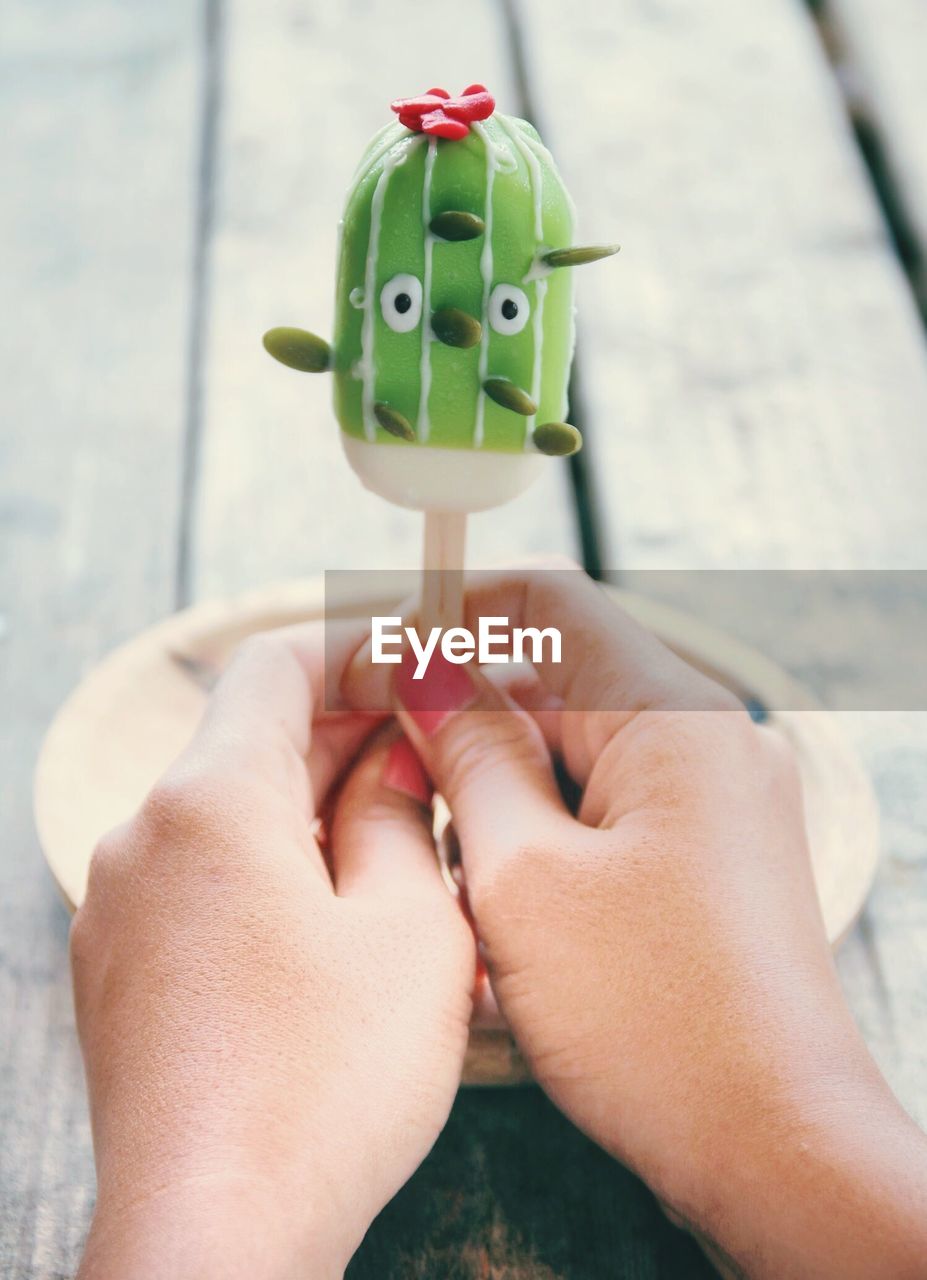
point(609, 666)
point(278, 680)
point(336, 741)
point(607, 660)
point(382, 838)
point(486, 757)
point(367, 685)
point(485, 1015)
point(260, 715)
point(546, 709)
point(604, 652)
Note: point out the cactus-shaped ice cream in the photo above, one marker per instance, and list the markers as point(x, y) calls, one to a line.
point(454, 309)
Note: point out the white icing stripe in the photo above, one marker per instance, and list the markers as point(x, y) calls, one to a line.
point(542, 153)
point(540, 292)
point(366, 366)
point(540, 270)
point(505, 160)
point(534, 168)
point(423, 427)
point(520, 141)
point(376, 150)
point(486, 264)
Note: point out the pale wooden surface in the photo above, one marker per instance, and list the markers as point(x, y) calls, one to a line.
point(754, 378)
point(752, 363)
point(99, 104)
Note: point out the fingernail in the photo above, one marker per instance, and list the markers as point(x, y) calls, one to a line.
point(444, 689)
point(404, 772)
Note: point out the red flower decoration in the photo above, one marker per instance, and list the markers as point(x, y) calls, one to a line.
point(437, 113)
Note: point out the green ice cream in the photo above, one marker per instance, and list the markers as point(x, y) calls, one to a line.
point(397, 272)
point(454, 304)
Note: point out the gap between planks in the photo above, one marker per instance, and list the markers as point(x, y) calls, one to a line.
point(863, 115)
point(581, 469)
point(211, 52)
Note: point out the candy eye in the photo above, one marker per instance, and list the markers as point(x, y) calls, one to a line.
point(508, 309)
point(401, 302)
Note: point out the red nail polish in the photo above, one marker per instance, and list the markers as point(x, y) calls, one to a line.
point(445, 688)
point(404, 772)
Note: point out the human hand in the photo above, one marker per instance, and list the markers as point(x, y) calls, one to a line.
point(660, 957)
point(271, 1046)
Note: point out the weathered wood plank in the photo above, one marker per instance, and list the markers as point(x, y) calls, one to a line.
point(754, 370)
point(303, 90)
point(97, 151)
point(879, 48)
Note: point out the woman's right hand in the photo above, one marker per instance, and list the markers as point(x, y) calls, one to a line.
point(660, 957)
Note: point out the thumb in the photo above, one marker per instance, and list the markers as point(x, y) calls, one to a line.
point(486, 757)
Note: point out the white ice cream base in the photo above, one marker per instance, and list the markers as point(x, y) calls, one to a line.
point(431, 478)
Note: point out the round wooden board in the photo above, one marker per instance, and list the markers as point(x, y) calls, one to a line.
point(135, 711)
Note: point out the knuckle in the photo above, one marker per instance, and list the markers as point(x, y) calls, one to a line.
point(107, 861)
point(81, 940)
point(184, 802)
point(106, 853)
point(256, 647)
point(480, 742)
point(95, 918)
point(262, 649)
point(379, 812)
point(692, 691)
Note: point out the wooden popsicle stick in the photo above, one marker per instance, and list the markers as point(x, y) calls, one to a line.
point(442, 605)
point(443, 570)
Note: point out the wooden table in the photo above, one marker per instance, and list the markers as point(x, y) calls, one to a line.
point(752, 381)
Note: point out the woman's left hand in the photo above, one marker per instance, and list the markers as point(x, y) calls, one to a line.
point(273, 1035)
